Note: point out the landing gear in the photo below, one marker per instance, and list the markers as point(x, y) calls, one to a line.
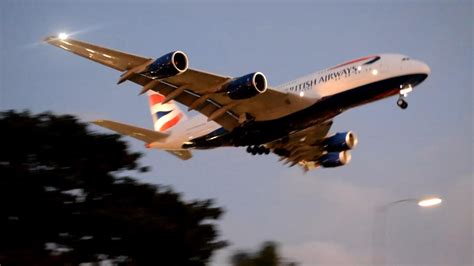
point(402, 103)
point(405, 89)
point(257, 149)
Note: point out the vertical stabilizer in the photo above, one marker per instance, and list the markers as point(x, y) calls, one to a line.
point(165, 115)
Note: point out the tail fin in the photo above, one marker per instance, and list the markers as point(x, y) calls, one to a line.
point(165, 115)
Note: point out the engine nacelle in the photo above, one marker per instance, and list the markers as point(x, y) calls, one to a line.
point(168, 65)
point(246, 86)
point(340, 142)
point(335, 159)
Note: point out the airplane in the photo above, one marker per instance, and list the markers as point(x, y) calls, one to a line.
point(291, 120)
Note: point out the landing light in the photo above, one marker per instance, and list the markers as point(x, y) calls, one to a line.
point(301, 93)
point(406, 90)
point(62, 36)
point(375, 72)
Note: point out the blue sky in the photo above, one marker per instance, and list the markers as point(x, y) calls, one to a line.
point(324, 217)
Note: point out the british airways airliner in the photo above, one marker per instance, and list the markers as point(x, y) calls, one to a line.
point(291, 120)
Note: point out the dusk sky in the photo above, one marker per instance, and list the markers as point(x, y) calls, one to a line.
point(323, 217)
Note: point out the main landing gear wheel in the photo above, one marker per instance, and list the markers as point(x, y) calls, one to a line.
point(402, 103)
point(254, 150)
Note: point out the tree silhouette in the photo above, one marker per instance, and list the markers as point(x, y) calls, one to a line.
point(63, 201)
point(267, 255)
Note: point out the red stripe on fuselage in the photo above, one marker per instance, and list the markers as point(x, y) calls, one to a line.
point(171, 123)
point(354, 61)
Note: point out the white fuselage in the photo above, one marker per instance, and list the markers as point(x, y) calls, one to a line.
point(351, 75)
point(313, 87)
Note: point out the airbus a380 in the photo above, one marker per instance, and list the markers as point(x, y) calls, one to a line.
point(291, 120)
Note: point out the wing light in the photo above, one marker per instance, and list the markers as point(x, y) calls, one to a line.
point(63, 36)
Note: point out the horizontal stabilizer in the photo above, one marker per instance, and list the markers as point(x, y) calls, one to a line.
point(181, 154)
point(145, 135)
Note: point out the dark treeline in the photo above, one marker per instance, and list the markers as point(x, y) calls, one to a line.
point(266, 255)
point(65, 199)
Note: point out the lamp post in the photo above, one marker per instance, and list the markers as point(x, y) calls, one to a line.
point(379, 227)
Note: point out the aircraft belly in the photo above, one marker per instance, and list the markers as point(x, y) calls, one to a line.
point(260, 132)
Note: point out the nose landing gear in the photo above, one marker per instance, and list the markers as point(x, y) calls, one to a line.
point(401, 102)
point(257, 149)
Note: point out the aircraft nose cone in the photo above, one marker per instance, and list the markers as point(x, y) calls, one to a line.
point(423, 67)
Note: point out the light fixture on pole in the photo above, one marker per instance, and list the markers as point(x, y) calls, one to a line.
point(429, 202)
point(379, 226)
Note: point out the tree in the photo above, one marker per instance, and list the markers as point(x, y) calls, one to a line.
point(64, 200)
point(267, 255)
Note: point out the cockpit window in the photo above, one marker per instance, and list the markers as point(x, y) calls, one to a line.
point(377, 58)
point(405, 58)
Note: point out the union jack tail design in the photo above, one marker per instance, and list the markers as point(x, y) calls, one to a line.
point(165, 115)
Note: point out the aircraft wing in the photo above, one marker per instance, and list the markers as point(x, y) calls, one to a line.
point(194, 88)
point(302, 147)
point(112, 58)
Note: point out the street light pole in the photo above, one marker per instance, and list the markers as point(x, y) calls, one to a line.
point(380, 225)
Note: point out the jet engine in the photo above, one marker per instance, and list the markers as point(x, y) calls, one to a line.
point(246, 86)
point(340, 142)
point(168, 65)
point(335, 159)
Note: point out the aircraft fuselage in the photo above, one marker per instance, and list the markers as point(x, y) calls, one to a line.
point(331, 92)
